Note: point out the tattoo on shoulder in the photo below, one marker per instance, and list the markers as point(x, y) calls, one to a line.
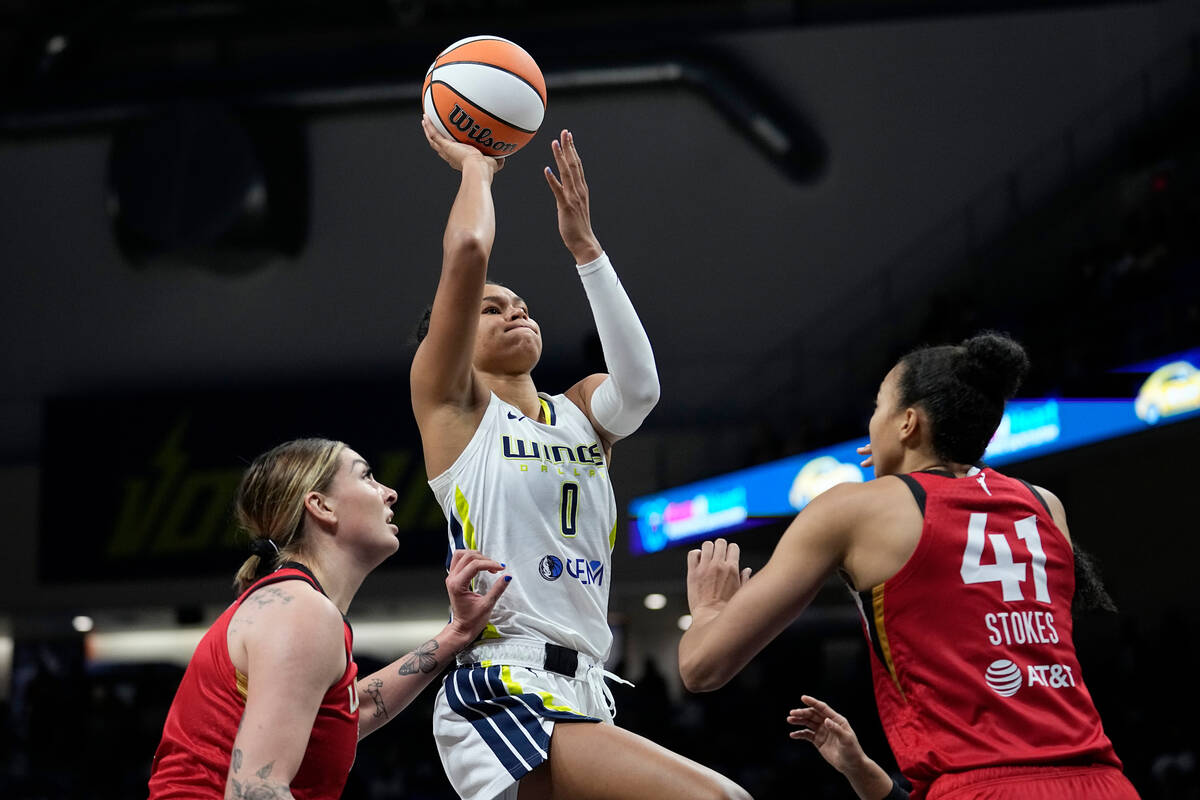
point(237, 756)
point(265, 772)
point(421, 660)
point(270, 594)
point(375, 691)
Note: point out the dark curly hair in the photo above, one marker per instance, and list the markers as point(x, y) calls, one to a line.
point(963, 388)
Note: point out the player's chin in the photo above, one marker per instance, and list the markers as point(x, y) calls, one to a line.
point(389, 548)
point(389, 538)
point(523, 356)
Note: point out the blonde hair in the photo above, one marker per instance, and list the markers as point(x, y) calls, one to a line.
point(270, 501)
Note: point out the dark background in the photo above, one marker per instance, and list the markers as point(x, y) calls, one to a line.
point(221, 225)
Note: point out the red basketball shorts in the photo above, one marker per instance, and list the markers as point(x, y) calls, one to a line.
point(1034, 783)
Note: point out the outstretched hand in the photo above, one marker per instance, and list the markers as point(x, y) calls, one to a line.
point(829, 732)
point(571, 197)
point(713, 576)
point(470, 610)
point(455, 153)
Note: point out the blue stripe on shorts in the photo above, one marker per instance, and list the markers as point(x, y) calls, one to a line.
point(509, 724)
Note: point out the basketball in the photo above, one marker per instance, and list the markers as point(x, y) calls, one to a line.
point(487, 92)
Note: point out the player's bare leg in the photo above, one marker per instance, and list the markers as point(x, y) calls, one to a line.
point(603, 762)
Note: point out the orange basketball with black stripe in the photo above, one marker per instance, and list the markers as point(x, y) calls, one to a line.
point(486, 92)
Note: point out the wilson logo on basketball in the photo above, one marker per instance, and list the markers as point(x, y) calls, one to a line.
point(482, 136)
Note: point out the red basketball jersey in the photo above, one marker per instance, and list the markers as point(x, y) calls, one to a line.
point(192, 760)
point(974, 664)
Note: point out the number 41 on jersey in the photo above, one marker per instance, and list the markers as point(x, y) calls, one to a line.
point(1008, 573)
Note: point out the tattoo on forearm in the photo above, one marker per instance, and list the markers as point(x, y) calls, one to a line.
point(237, 759)
point(265, 772)
point(375, 690)
point(421, 660)
point(260, 791)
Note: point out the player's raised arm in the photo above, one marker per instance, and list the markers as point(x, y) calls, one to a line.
point(617, 402)
point(387, 692)
point(733, 617)
point(441, 370)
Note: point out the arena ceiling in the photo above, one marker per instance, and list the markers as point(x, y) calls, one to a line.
point(762, 269)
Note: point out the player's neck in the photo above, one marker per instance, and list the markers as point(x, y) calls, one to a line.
point(340, 581)
point(918, 461)
point(516, 390)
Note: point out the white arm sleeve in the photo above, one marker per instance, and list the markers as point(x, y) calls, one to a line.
point(623, 400)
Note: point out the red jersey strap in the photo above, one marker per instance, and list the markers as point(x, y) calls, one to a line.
point(1033, 491)
point(295, 571)
point(287, 571)
point(919, 491)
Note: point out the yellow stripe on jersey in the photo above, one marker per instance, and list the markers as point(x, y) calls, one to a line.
point(243, 683)
point(507, 679)
point(489, 632)
point(545, 409)
point(548, 702)
point(881, 633)
point(515, 688)
point(464, 515)
point(612, 537)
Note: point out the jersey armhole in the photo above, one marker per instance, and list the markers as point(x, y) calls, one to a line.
point(1039, 497)
point(918, 491)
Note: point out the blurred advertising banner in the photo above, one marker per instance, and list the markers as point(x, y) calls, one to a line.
point(142, 486)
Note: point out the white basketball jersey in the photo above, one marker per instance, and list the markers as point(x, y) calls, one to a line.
point(537, 497)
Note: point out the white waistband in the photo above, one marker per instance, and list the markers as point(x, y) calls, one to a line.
point(531, 653)
point(521, 653)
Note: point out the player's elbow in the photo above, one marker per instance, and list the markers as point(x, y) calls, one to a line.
point(700, 675)
point(646, 393)
point(639, 392)
point(464, 247)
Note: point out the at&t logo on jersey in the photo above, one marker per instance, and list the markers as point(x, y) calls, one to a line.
point(550, 568)
point(1006, 678)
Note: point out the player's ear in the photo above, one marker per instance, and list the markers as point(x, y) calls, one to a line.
point(911, 423)
point(320, 507)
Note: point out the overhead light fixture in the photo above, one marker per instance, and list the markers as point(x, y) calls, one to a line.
point(382, 640)
point(655, 601)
